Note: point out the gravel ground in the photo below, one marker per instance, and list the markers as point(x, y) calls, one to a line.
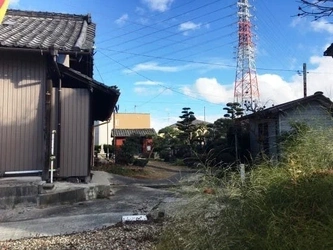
point(121, 237)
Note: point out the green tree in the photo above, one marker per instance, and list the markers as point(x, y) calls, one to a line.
point(234, 110)
point(165, 142)
point(186, 127)
point(218, 147)
point(186, 134)
point(127, 151)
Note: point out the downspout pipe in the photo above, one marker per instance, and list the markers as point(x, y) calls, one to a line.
point(54, 53)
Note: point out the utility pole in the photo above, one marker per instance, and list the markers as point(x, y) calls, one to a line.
point(304, 80)
point(204, 114)
point(114, 135)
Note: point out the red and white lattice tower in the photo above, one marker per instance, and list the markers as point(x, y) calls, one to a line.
point(246, 84)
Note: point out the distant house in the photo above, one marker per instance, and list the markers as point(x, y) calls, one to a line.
point(201, 128)
point(103, 130)
point(145, 135)
point(267, 125)
point(47, 94)
point(195, 122)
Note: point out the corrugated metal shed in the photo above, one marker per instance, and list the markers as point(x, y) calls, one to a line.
point(31, 45)
point(22, 87)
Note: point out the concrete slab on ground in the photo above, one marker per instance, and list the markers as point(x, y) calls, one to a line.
point(125, 196)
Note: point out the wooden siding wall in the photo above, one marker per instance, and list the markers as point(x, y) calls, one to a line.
point(312, 114)
point(74, 158)
point(22, 83)
point(272, 136)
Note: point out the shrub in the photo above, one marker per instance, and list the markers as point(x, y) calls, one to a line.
point(108, 150)
point(97, 150)
point(140, 162)
point(282, 206)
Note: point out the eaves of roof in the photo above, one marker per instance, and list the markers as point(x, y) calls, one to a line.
point(329, 51)
point(129, 132)
point(318, 96)
point(104, 98)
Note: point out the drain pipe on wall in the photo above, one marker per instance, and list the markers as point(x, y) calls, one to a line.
point(52, 158)
point(54, 52)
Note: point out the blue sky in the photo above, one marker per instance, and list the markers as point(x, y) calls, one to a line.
point(168, 54)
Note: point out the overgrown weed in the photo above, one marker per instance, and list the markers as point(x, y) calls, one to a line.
point(283, 205)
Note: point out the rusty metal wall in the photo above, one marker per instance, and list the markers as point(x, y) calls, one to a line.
point(22, 82)
point(75, 133)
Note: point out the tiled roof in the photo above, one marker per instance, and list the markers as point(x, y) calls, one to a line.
point(129, 132)
point(329, 51)
point(195, 122)
point(42, 30)
point(316, 97)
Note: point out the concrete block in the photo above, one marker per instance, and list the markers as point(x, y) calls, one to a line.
point(63, 197)
point(80, 195)
point(18, 190)
point(12, 201)
point(48, 199)
point(103, 191)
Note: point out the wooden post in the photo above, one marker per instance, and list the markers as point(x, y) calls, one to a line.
point(304, 80)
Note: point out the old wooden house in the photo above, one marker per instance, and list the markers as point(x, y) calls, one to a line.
point(48, 97)
point(266, 126)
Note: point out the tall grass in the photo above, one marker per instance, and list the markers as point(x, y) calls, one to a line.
point(286, 205)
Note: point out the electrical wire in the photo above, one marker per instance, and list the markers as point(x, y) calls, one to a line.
point(159, 22)
point(161, 85)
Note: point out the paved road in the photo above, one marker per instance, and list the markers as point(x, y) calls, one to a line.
point(130, 197)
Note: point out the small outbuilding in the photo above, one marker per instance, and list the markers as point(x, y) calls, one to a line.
point(48, 97)
point(267, 125)
point(146, 140)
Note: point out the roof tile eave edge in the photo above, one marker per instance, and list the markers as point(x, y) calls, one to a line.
point(92, 83)
point(46, 50)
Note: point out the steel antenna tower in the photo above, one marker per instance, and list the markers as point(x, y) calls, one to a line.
point(246, 84)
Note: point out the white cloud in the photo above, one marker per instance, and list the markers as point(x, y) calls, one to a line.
point(322, 26)
point(122, 20)
point(203, 68)
point(151, 91)
point(159, 122)
point(14, 3)
point(297, 21)
point(158, 5)
point(189, 26)
point(209, 89)
point(148, 83)
point(188, 91)
point(151, 66)
point(273, 88)
point(140, 10)
point(143, 21)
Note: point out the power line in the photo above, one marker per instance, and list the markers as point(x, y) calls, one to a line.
point(144, 26)
point(201, 62)
point(171, 35)
point(186, 48)
point(161, 85)
point(162, 21)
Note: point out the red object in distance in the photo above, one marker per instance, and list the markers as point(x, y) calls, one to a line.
point(1, 3)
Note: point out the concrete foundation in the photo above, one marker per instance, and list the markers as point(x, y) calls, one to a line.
point(34, 192)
